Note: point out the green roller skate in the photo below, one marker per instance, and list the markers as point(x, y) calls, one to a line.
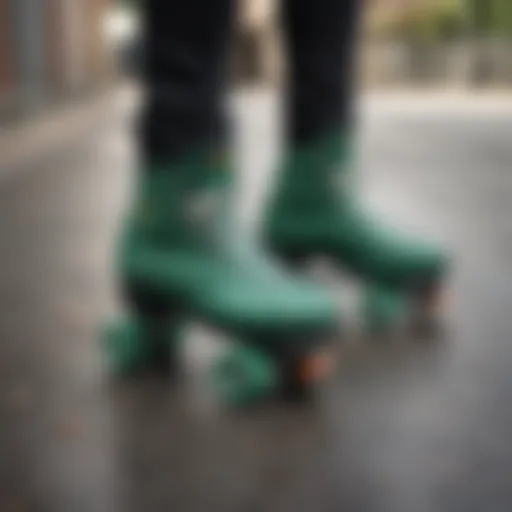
point(315, 213)
point(182, 258)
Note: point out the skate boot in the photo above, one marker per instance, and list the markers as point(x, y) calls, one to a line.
point(314, 212)
point(182, 257)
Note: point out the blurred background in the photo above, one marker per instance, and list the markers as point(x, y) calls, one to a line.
point(405, 43)
point(56, 49)
point(405, 426)
point(53, 50)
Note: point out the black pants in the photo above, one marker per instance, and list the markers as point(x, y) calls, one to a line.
point(187, 44)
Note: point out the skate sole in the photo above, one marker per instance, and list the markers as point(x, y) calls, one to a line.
point(424, 300)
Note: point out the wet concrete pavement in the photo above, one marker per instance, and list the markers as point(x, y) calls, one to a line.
point(404, 427)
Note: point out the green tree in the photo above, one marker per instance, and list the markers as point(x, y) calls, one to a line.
point(436, 21)
point(491, 17)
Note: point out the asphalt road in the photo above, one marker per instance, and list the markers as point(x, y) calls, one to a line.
point(404, 427)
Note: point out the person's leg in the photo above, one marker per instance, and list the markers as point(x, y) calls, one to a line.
point(181, 254)
point(320, 38)
point(315, 209)
point(186, 47)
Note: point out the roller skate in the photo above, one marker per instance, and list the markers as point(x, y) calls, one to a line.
point(181, 257)
point(314, 213)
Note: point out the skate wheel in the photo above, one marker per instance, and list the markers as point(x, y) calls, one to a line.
point(385, 312)
point(316, 367)
point(131, 349)
point(300, 377)
point(429, 305)
point(434, 298)
point(244, 376)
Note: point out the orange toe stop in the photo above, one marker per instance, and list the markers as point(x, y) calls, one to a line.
point(316, 366)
